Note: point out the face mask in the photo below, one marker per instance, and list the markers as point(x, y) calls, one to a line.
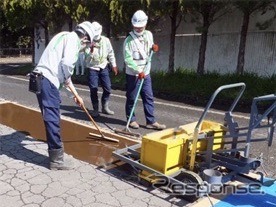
point(84, 44)
point(138, 33)
point(97, 38)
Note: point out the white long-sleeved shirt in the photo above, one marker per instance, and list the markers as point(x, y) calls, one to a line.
point(58, 59)
point(102, 53)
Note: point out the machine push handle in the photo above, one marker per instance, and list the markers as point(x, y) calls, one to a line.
point(221, 88)
point(198, 126)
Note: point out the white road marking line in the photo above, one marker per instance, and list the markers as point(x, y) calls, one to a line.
point(16, 78)
point(155, 102)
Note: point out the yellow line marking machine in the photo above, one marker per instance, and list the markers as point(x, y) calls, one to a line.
point(199, 158)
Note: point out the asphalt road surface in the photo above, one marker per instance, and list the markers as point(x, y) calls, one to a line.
point(173, 114)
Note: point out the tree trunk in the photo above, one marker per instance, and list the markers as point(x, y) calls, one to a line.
point(33, 46)
point(70, 25)
point(203, 45)
point(243, 35)
point(108, 25)
point(46, 32)
point(172, 36)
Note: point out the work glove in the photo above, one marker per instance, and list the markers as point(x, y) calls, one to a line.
point(155, 48)
point(115, 70)
point(141, 75)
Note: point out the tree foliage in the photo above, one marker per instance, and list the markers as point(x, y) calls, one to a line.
point(121, 12)
point(48, 14)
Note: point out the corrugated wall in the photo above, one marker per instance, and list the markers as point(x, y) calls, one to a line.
point(221, 53)
point(222, 46)
point(261, 53)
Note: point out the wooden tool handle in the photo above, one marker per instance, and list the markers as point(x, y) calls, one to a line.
point(83, 107)
point(106, 138)
point(90, 117)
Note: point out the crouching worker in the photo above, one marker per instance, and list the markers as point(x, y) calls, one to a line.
point(55, 67)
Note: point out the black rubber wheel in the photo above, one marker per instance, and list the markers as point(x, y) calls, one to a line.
point(145, 183)
point(192, 179)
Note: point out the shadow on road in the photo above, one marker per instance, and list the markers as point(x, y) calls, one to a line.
point(77, 113)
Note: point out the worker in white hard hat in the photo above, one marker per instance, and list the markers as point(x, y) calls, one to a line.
point(137, 49)
point(100, 57)
point(53, 71)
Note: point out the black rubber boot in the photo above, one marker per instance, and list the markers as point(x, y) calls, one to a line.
point(57, 161)
point(95, 112)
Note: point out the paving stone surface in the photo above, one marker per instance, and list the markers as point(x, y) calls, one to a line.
point(26, 181)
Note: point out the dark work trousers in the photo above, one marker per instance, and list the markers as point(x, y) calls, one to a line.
point(132, 85)
point(95, 77)
point(49, 103)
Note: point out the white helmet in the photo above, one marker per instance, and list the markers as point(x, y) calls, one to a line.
point(98, 30)
point(139, 19)
point(87, 27)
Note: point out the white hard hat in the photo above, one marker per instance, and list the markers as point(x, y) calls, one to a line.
point(87, 27)
point(98, 30)
point(139, 19)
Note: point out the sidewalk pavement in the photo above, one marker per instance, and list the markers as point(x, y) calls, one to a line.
point(26, 181)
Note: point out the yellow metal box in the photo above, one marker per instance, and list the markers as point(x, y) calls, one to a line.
point(207, 127)
point(166, 150)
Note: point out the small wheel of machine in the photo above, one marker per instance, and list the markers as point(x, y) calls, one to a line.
point(192, 183)
point(145, 183)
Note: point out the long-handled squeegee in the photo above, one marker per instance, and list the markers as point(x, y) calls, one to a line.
point(101, 135)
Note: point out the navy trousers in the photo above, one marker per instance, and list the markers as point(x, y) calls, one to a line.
point(95, 77)
point(49, 103)
point(132, 85)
